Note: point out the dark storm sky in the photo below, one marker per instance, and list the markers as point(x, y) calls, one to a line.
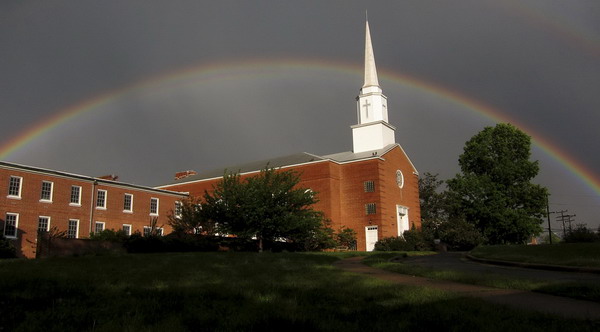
point(537, 62)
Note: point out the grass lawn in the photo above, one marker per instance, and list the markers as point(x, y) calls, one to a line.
point(570, 254)
point(235, 291)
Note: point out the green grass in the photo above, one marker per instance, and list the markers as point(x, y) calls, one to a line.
point(569, 254)
point(235, 291)
point(582, 290)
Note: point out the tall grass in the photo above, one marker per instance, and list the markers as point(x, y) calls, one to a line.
point(234, 291)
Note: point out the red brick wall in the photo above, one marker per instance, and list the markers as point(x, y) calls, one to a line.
point(29, 207)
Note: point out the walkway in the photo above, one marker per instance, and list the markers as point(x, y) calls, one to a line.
point(515, 298)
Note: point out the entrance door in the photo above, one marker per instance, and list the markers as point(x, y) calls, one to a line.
point(402, 213)
point(371, 237)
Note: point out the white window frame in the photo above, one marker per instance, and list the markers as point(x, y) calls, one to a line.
point(78, 203)
point(99, 223)
point(178, 209)
point(10, 195)
point(146, 231)
point(76, 229)
point(161, 231)
point(47, 200)
point(101, 207)
point(157, 206)
point(128, 233)
point(47, 224)
point(130, 210)
point(16, 215)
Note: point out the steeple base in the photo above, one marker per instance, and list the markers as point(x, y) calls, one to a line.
point(372, 136)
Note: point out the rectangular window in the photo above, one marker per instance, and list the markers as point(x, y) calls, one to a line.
point(370, 208)
point(101, 199)
point(178, 209)
point(128, 203)
point(147, 230)
point(75, 195)
point(159, 231)
point(73, 229)
point(99, 227)
point(46, 191)
point(11, 225)
point(369, 186)
point(43, 224)
point(14, 187)
point(127, 229)
point(154, 206)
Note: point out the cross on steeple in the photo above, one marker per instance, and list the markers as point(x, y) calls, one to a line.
point(366, 106)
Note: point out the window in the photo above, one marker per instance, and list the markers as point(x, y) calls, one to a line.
point(75, 195)
point(147, 230)
point(128, 203)
point(99, 227)
point(101, 199)
point(43, 224)
point(370, 208)
point(73, 229)
point(14, 187)
point(369, 186)
point(46, 191)
point(127, 229)
point(154, 206)
point(157, 231)
point(11, 225)
point(178, 209)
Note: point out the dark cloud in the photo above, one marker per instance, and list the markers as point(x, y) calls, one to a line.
point(535, 61)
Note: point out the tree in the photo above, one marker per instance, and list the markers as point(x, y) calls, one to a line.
point(432, 200)
point(494, 191)
point(192, 219)
point(269, 206)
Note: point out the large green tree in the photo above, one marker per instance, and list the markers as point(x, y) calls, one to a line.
point(269, 206)
point(494, 191)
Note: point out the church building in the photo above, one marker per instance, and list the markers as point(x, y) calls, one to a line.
point(372, 189)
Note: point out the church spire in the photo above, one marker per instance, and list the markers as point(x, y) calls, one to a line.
point(370, 69)
point(372, 132)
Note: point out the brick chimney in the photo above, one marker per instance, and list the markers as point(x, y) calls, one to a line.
point(111, 177)
point(184, 174)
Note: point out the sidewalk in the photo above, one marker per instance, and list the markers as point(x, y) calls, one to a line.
point(524, 300)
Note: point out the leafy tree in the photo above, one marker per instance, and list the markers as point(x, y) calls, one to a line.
point(269, 206)
point(494, 191)
point(581, 233)
point(433, 201)
point(192, 219)
point(346, 237)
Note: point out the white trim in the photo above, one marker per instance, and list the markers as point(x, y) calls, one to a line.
point(102, 207)
point(157, 206)
point(96, 224)
point(130, 210)
point(76, 228)
point(16, 215)
point(71, 196)
point(20, 187)
point(402, 219)
point(130, 229)
point(43, 200)
point(47, 226)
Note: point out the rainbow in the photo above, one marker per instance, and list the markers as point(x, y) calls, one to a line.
point(229, 70)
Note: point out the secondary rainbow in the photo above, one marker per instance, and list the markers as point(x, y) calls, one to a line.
point(229, 70)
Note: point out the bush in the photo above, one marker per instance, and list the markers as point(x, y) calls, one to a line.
point(7, 249)
point(460, 235)
point(413, 240)
point(109, 235)
point(581, 234)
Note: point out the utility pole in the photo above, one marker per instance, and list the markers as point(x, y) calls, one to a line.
point(570, 219)
point(548, 215)
point(562, 219)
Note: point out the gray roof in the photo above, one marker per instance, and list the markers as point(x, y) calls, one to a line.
point(277, 162)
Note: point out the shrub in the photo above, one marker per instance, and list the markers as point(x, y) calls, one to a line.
point(110, 235)
point(413, 240)
point(7, 249)
point(460, 235)
point(581, 234)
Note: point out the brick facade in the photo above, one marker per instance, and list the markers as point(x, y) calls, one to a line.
point(29, 206)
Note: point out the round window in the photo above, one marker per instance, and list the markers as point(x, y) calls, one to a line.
point(400, 178)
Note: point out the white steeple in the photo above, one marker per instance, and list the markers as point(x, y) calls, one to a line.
point(373, 132)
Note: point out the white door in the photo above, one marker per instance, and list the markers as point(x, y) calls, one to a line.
point(402, 213)
point(371, 237)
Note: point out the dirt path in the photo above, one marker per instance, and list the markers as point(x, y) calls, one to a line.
point(515, 298)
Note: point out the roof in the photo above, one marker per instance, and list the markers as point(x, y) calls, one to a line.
point(286, 161)
point(39, 170)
